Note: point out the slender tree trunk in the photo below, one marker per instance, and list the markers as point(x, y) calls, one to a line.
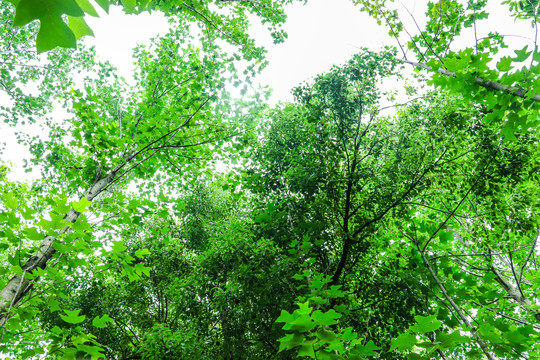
point(18, 286)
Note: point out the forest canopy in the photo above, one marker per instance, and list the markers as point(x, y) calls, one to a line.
point(390, 211)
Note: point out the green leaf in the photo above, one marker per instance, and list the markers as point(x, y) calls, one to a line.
point(73, 317)
point(403, 342)
point(53, 30)
point(325, 336)
point(104, 4)
point(81, 225)
point(82, 205)
point(328, 318)
point(27, 213)
point(129, 5)
point(101, 322)
point(444, 236)
point(118, 246)
point(141, 253)
point(57, 222)
point(54, 305)
point(522, 54)
point(30, 10)
point(11, 201)
point(504, 64)
point(60, 205)
point(87, 7)
point(33, 234)
point(426, 324)
point(93, 351)
point(348, 335)
point(307, 349)
point(302, 324)
point(515, 337)
point(414, 356)
point(285, 317)
point(447, 341)
point(79, 27)
point(368, 349)
point(334, 292)
point(290, 341)
point(490, 333)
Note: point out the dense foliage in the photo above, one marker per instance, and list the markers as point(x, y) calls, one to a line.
point(342, 227)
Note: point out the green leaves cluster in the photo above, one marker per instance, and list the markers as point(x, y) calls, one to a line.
point(312, 328)
point(344, 231)
point(53, 29)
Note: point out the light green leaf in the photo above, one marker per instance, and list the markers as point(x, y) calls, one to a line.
point(104, 4)
point(60, 205)
point(33, 234)
point(54, 305)
point(11, 201)
point(81, 225)
point(82, 205)
point(101, 322)
point(426, 324)
point(285, 317)
point(368, 349)
point(87, 7)
point(304, 308)
point(403, 342)
point(141, 253)
point(118, 246)
point(328, 318)
point(79, 27)
point(73, 317)
point(129, 5)
point(505, 64)
point(27, 213)
point(57, 222)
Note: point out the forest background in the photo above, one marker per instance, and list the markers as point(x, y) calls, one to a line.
point(390, 210)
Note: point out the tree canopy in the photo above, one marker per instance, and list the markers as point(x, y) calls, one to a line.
point(346, 224)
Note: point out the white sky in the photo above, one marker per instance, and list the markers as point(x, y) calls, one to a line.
point(321, 33)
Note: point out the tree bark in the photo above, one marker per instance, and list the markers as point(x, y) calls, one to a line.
point(491, 85)
point(18, 285)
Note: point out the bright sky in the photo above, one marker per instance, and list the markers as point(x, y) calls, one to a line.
point(322, 33)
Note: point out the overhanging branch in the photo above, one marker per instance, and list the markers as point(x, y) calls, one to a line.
point(491, 85)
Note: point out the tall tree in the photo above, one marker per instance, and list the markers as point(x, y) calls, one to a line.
point(396, 208)
point(482, 71)
point(165, 129)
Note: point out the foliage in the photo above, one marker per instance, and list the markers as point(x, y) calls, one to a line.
point(342, 228)
point(501, 82)
point(54, 31)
